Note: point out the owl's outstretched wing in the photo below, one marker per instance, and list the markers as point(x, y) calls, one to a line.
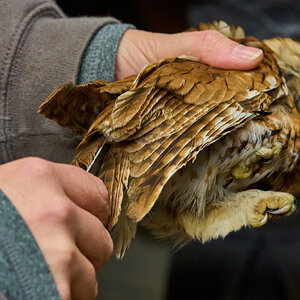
point(173, 110)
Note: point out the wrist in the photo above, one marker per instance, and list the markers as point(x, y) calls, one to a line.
point(100, 56)
point(137, 48)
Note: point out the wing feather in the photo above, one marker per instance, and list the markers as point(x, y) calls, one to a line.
point(76, 106)
point(115, 173)
point(234, 32)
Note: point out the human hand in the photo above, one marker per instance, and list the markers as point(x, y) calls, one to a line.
point(139, 48)
point(66, 210)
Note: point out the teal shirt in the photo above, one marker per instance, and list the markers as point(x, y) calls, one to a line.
point(100, 58)
point(24, 273)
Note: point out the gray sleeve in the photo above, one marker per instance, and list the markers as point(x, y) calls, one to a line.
point(24, 273)
point(40, 49)
point(99, 60)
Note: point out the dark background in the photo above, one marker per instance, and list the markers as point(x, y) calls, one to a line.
point(251, 264)
point(153, 15)
point(260, 18)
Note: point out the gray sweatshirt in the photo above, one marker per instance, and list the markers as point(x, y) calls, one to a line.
point(41, 49)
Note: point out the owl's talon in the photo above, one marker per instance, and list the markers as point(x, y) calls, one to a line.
point(280, 211)
point(244, 169)
point(276, 204)
point(264, 220)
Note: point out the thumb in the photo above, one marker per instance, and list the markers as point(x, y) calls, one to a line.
point(215, 49)
point(138, 48)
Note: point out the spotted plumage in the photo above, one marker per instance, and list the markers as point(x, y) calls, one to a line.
point(187, 146)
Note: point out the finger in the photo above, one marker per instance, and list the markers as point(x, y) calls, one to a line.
point(215, 49)
point(85, 190)
point(83, 279)
point(219, 51)
point(73, 273)
point(92, 238)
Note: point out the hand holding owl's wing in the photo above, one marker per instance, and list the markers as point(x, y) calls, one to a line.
point(139, 48)
point(76, 107)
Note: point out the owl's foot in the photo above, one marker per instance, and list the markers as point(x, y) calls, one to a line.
point(244, 168)
point(275, 205)
point(247, 208)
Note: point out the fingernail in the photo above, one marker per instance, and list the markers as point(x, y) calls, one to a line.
point(247, 53)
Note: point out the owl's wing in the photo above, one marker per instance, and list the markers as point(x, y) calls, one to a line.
point(176, 108)
point(76, 106)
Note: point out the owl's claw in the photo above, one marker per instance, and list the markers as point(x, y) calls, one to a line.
point(280, 211)
point(244, 169)
point(264, 220)
point(275, 205)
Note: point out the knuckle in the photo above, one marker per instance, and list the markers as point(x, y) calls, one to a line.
point(37, 167)
point(62, 258)
point(60, 211)
point(67, 257)
point(210, 38)
point(210, 35)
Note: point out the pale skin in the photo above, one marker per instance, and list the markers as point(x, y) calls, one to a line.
point(139, 48)
point(65, 207)
point(66, 210)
